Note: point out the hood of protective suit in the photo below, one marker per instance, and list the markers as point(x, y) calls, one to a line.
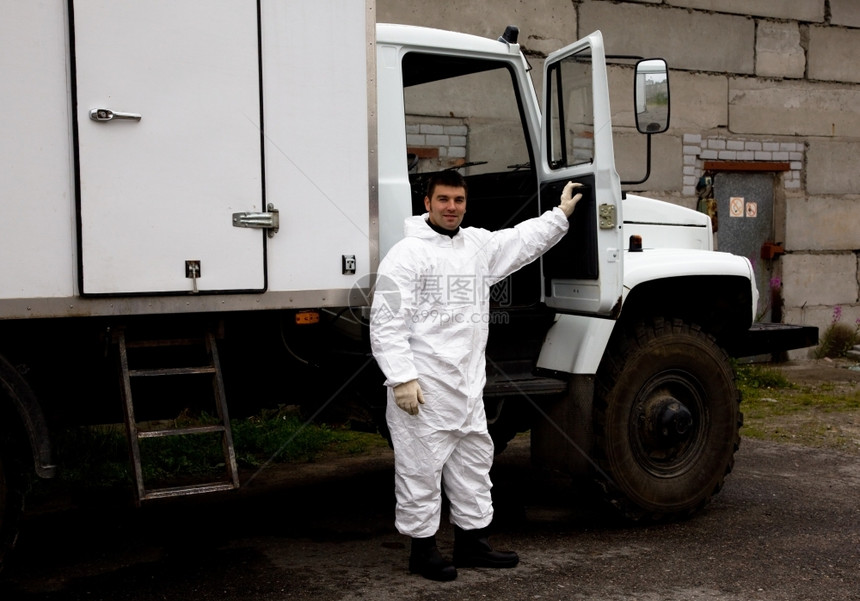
point(419, 226)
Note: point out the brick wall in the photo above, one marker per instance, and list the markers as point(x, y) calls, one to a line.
point(436, 143)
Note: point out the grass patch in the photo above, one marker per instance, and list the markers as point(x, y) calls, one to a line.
point(825, 415)
point(97, 457)
point(753, 377)
point(282, 436)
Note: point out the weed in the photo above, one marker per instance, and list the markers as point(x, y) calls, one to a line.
point(838, 338)
point(758, 377)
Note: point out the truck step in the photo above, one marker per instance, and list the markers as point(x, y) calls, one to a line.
point(514, 378)
point(526, 386)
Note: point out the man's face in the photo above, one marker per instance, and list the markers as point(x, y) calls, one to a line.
point(447, 206)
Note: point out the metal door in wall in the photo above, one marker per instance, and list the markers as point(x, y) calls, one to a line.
point(745, 209)
point(167, 120)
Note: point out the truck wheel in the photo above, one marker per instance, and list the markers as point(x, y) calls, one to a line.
point(515, 416)
point(11, 498)
point(667, 419)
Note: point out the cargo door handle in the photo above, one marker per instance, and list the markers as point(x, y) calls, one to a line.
point(109, 115)
point(269, 220)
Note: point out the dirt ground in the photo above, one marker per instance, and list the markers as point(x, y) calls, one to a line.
point(816, 422)
point(783, 529)
point(843, 373)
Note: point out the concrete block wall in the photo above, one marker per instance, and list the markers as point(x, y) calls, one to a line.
point(775, 81)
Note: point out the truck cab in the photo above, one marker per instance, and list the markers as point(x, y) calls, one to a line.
point(450, 100)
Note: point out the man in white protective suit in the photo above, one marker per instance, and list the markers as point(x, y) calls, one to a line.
point(428, 332)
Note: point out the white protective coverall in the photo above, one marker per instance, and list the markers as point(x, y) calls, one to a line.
point(429, 321)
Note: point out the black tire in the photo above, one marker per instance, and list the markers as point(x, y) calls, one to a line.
point(667, 419)
point(516, 415)
point(12, 488)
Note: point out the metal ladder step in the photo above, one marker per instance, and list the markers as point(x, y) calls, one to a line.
point(172, 371)
point(135, 434)
point(179, 491)
point(179, 431)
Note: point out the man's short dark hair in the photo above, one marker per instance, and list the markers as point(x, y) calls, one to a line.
point(450, 178)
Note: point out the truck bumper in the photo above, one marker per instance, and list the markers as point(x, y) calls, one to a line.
point(765, 338)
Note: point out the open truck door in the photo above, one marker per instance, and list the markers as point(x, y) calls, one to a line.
point(168, 146)
point(583, 273)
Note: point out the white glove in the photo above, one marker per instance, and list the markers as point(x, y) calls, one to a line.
point(568, 203)
point(408, 396)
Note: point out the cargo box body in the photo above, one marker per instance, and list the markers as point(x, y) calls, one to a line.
point(143, 142)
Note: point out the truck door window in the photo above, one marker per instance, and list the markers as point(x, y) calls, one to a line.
point(463, 113)
point(571, 112)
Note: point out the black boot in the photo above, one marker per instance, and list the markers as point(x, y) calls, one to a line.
point(426, 560)
point(472, 550)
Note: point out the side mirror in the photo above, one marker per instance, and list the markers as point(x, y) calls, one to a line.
point(651, 96)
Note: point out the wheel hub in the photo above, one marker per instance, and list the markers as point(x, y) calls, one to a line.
point(668, 422)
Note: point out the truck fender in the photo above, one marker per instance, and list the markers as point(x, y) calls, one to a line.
point(574, 344)
point(15, 390)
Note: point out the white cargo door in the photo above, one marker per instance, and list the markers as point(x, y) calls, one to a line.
point(157, 193)
point(583, 273)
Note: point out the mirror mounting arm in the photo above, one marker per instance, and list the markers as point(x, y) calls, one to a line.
point(647, 166)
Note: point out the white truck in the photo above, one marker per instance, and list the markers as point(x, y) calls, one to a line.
point(230, 173)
